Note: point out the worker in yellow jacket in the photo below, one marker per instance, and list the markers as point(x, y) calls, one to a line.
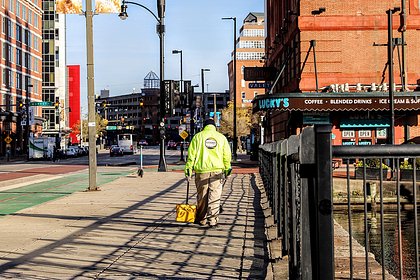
point(209, 156)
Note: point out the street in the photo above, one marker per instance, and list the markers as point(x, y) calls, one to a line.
point(150, 158)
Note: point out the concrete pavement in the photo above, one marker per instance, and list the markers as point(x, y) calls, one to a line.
point(127, 230)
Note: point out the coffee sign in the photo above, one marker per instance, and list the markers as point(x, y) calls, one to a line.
point(335, 101)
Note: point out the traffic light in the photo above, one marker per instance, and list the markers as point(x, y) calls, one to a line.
point(56, 104)
point(141, 102)
point(103, 104)
point(20, 104)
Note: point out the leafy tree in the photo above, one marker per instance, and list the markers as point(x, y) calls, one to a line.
point(243, 122)
point(83, 127)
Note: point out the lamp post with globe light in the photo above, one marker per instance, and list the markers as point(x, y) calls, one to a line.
point(160, 29)
point(235, 138)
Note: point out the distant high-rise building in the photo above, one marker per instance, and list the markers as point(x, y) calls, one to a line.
point(250, 51)
point(54, 78)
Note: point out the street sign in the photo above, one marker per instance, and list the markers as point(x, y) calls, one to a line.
point(184, 134)
point(9, 140)
point(43, 103)
point(259, 73)
point(181, 128)
point(259, 85)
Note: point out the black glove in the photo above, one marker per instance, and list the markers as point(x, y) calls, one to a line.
point(188, 174)
point(227, 172)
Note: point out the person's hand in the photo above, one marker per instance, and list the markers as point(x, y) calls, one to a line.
point(188, 174)
point(227, 172)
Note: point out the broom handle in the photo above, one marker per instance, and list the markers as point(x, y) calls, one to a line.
point(188, 189)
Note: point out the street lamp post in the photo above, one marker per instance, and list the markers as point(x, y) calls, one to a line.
point(235, 138)
point(193, 109)
point(181, 81)
point(160, 29)
point(203, 113)
point(182, 105)
point(28, 126)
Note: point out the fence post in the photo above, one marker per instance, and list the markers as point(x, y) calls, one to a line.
point(307, 177)
point(325, 230)
point(317, 220)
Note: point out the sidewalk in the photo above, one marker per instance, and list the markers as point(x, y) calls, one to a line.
point(128, 231)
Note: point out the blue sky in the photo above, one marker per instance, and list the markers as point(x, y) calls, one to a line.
point(125, 51)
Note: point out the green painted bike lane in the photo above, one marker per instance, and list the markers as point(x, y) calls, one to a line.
point(16, 199)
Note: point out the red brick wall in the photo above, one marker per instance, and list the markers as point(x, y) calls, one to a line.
point(345, 34)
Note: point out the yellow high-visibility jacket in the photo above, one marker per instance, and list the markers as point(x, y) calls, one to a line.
point(209, 151)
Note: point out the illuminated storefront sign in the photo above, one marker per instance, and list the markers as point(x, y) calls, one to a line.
point(335, 101)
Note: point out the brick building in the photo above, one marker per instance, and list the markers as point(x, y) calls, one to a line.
point(339, 49)
point(249, 53)
point(21, 67)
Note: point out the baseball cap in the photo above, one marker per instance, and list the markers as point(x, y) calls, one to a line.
point(209, 121)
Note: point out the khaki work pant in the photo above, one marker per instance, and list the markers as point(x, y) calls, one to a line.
point(209, 190)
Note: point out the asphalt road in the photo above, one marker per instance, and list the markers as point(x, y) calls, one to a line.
point(151, 155)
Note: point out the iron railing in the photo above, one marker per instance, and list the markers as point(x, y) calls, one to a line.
point(297, 174)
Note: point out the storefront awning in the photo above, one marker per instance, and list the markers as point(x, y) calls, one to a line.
point(364, 123)
point(330, 102)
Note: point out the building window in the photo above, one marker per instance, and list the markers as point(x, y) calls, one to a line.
point(49, 116)
point(18, 81)
point(243, 83)
point(27, 38)
point(9, 53)
point(11, 6)
point(253, 33)
point(18, 33)
point(249, 55)
point(18, 57)
point(36, 65)
point(254, 44)
point(4, 81)
point(9, 78)
point(17, 8)
point(27, 61)
point(48, 95)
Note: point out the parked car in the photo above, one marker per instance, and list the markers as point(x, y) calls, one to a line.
point(116, 151)
point(71, 152)
point(143, 142)
point(171, 145)
point(79, 150)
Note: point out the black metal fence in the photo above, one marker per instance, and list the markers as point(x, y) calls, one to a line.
point(305, 200)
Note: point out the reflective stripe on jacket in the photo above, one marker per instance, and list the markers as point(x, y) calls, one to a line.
point(209, 151)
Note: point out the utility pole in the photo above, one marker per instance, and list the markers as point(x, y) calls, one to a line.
point(28, 126)
point(390, 12)
point(91, 97)
point(161, 31)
